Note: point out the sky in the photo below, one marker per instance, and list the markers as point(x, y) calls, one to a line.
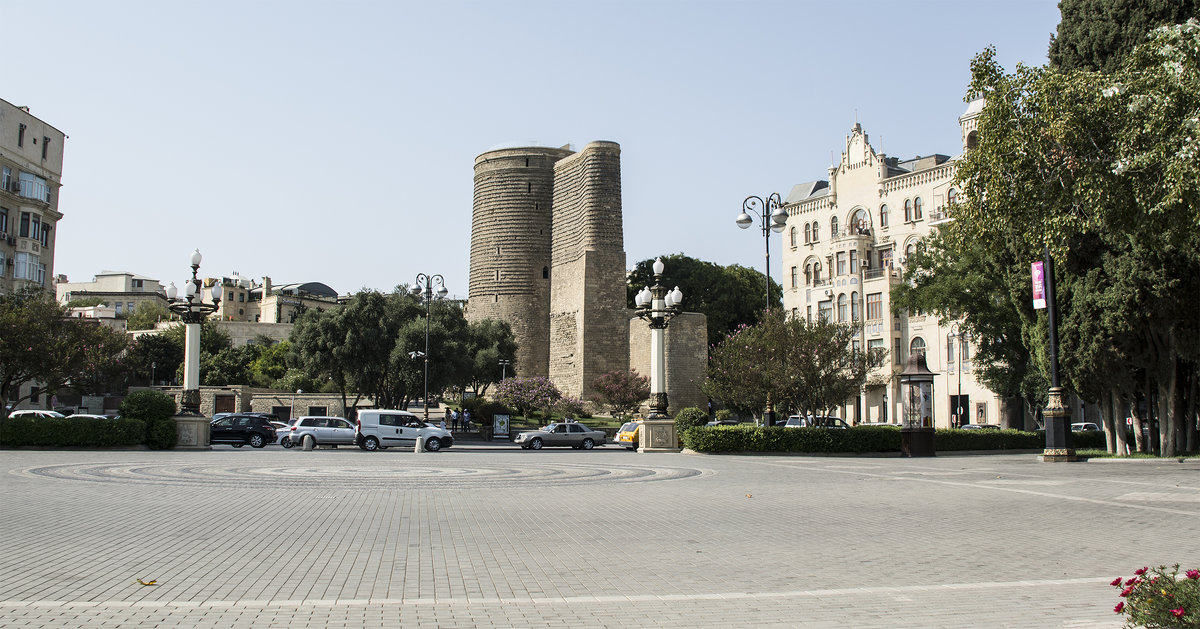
point(335, 141)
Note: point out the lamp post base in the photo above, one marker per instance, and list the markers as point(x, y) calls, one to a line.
point(192, 432)
point(659, 435)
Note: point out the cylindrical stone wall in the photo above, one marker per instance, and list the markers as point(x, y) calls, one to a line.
point(510, 248)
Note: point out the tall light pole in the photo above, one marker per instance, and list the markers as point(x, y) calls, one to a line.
point(959, 338)
point(427, 295)
point(773, 218)
point(193, 311)
point(657, 305)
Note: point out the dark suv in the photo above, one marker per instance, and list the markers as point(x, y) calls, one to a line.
point(240, 429)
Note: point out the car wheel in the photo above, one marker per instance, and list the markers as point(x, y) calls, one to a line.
point(308, 442)
point(587, 444)
point(256, 440)
point(433, 444)
point(286, 442)
point(536, 443)
point(370, 444)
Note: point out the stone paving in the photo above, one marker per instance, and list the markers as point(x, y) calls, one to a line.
point(493, 536)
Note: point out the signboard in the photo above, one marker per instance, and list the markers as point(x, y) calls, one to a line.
point(1039, 285)
point(500, 426)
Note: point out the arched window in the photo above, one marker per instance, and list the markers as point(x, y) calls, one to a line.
point(816, 272)
point(917, 208)
point(807, 233)
point(908, 251)
point(917, 346)
point(972, 140)
point(795, 276)
point(908, 210)
point(545, 272)
point(833, 227)
point(841, 307)
point(860, 222)
point(808, 275)
point(952, 197)
point(883, 215)
point(792, 233)
point(816, 231)
point(854, 314)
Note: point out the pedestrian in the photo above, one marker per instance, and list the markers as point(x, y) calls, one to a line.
point(443, 424)
point(454, 417)
point(453, 421)
point(466, 419)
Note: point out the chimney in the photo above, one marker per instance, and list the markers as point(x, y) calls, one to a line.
point(266, 286)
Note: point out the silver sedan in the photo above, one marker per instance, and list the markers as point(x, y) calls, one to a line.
point(571, 434)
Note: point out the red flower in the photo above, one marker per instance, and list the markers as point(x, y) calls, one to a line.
point(1141, 571)
point(1119, 607)
point(1133, 581)
point(1193, 574)
point(1116, 582)
point(1126, 591)
point(1178, 613)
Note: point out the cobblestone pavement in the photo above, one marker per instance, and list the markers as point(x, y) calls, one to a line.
point(499, 537)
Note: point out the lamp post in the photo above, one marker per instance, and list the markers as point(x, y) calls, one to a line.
point(773, 218)
point(427, 295)
point(192, 309)
point(960, 337)
point(504, 368)
point(657, 305)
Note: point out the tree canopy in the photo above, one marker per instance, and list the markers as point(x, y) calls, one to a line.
point(1100, 34)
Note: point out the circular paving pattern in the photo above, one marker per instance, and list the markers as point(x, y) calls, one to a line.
point(397, 476)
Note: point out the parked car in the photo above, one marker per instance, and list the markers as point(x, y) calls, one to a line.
point(723, 422)
point(1082, 426)
point(283, 430)
point(979, 427)
point(818, 421)
point(571, 434)
point(36, 414)
point(241, 429)
point(627, 434)
point(91, 416)
point(322, 430)
point(378, 429)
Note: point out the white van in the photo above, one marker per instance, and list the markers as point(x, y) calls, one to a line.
point(377, 429)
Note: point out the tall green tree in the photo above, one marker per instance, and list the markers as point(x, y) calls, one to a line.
point(147, 314)
point(1099, 34)
point(153, 359)
point(728, 296)
point(488, 342)
point(41, 345)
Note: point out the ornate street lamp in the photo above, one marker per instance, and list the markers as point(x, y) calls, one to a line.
point(657, 305)
point(773, 218)
point(427, 295)
point(192, 309)
point(960, 337)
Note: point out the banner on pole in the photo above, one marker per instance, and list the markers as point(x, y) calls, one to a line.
point(1039, 285)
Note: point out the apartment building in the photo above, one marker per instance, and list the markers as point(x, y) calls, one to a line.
point(31, 156)
point(845, 245)
point(118, 290)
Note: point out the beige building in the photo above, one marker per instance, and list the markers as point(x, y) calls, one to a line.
point(245, 299)
point(31, 156)
point(845, 245)
point(119, 290)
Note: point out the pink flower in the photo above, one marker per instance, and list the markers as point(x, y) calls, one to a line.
point(1141, 571)
point(1116, 582)
point(1178, 612)
point(1119, 607)
point(1133, 581)
point(1126, 591)
point(1193, 574)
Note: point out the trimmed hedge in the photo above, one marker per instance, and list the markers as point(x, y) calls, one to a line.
point(690, 417)
point(71, 432)
point(155, 408)
point(863, 439)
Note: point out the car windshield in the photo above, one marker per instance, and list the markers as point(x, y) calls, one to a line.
point(626, 427)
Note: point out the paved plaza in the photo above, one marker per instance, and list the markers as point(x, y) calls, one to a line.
point(493, 536)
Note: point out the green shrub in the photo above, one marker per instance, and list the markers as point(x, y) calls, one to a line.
point(723, 415)
point(71, 432)
point(161, 434)
point(148, 405)
point(688, 418)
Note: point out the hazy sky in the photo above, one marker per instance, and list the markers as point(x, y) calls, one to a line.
point(334, 141)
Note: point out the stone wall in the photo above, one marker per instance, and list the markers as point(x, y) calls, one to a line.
point(686, 349)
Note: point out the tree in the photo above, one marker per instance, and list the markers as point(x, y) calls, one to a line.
point(1100, 34)
point(213, 340)
point(230, 366)
point(527, 394)
point(622, 391)
point(796, 364)
point(146, 314)
point(86, 302)
point(271, 363)
point(153, 359)
point(39, 344)
point(728, 296)
point(488, 342)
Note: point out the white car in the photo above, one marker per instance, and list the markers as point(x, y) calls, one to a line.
point(36, 414)
point(320, 431)
point(377, 429)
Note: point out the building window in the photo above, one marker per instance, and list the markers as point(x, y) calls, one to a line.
point(792, 234)
point(808, 275)
point(874, 306)
point(24, 233)
point(883, 212)
point(952, 197)
point(3, 220)
point(120, 307)
point(816, 231)
point(854, 261)
point(20, 135)
point(908, 252)
point(855, 315)
point(816, 273)
point(908, 210)
point(875, 344)
point(807, 233)
point(45, 146)
point(917, 204)
point(917, 346)
point(241, 296)
point(795, 277)
point(896, 352)
point(841, 263)
point(795, 313)
point(808, 313)
point(966, 350)
point(950, 350)
point(545, 272)
point(842, 307)
point(825, 310)
point(45, 235)
point(138, 283)
point(833, 227)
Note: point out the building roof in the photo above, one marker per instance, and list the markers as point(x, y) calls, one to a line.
point(316, 289)
point(807, 190)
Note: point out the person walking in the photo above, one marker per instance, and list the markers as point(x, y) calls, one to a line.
point(454, 417)
point(453, 421)
point(466, 419)
point(448, 418)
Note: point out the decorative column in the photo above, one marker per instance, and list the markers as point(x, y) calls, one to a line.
point(1058, 431)
point(657, 306)
point(192, 427)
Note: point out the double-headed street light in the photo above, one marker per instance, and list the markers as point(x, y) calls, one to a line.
point(657, 305)
point(773, 218)
point(427, 295)
point(192, 309)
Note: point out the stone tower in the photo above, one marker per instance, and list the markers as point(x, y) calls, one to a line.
point(510, 247)
point(589, 316)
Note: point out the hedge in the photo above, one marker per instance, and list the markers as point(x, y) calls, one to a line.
point(862, 439)
point(71, 432)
